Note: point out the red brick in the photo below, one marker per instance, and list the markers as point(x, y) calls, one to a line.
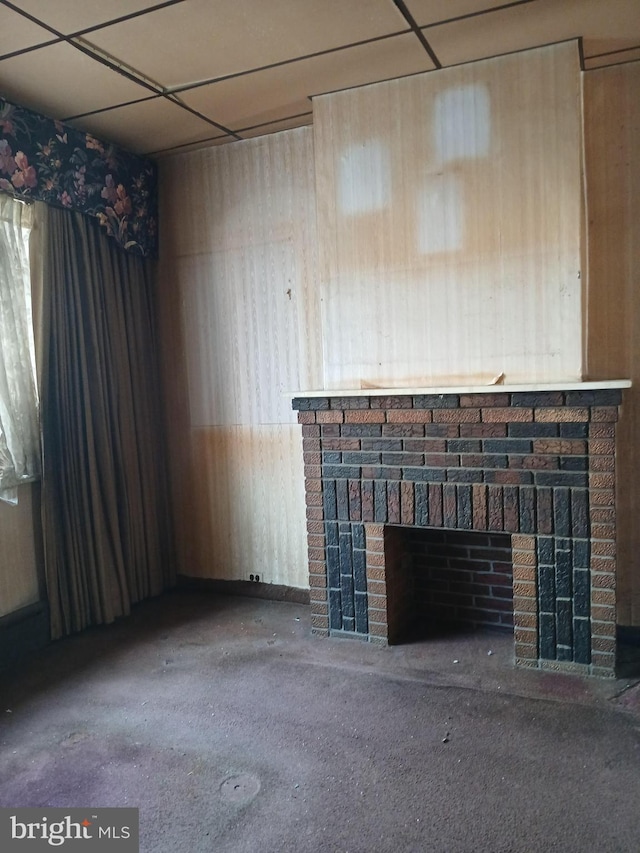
point(364, 416)
point(526, 652)
point(561, 415)
point(310, 431)
point(306, 417)
point(321, 622)
point(524, 558)
point(604, 413)
point(312, 458)
point(602, 430)
point(603, 644)
point(318, 594)
point(483, 430)
point(407, 503)
point(375, 587)
point(409, 416)
point(603, 581)
point(315, 540)
point(456, 416)
point(315, 527)
point(332, 417)
point(525, 604)
point(375, 567)
point(374, 531)
point(607, 565)
point(559, 446)
point(316, 553)
point(602, 446)
point(468, 400)
point(603, 548)
point(378, 602)
point(527, 620)
point(524, 635)
point(602, 481)
point(603, 613)
point(606, 515)
point(309, 445)
point(313, 485)
point(319, 608)
point(313, 498)
point(507, 414)
point(603, 596)
point(602, 463)
point(602, 497)
point(317, 581)
point(314, 513)
point(312, 472)
point(603, 660)
point(603, 531)
point(522, 542)
point(341, 444)
point(603, 629)
point(479, 507)
point(524, 573)
point(524, 589)
point(378, 630)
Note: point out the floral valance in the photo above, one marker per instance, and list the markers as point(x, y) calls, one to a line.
point(45, 160)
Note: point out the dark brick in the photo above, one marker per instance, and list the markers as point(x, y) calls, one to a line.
point(436, 401)
point(348, 604)
point(511, 509)
point(483, 430)
point(564, 572)
point(582, 640)
point(527, 510)
point(564, 626)
point(464, 475)
point(380, 501)
point(346, 554)
point(537, 398)
point(330, 430)
point(449, 506)
point(361, 458)
point(348, 623)
point(547, 589)
point(575, 479)
point(342, 500)
point(403, 459)
point(435, 505)
point(533, 430)
point(393, 502)
point(359, 570)
point(362, 618)
point(355, 500)
point(331, 532)
point(367, 500)
point(331, 457)
point(581, 553)
point(544, 513)
point(494, 507)
point(357, 531)
point(546, 551)
point(335, 609)
point(500, 400)
point(508, 477)
point(603, 397)
point(580, 513)
point(574, 463)
point(506, 445)
point(381, 472)
point(310, 404)
point(442, 430)
point(329, 499)
point(428, 475)
point(564, 653)
point(349, 402)
point(463, 445)
point(483, 460)
point(581, 592)
point(465, 514)
point(574, 430)
point(547, 629)
point(395, 402)
point(425, 445)
point(421, 504)
point(561, 512)
point(362, 430)
point(333, 567)
point(335, 472)
point(382, 444)
point(401, 430)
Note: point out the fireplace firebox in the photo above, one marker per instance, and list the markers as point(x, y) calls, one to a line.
point(534, 469)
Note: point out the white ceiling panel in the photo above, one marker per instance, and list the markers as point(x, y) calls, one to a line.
point(17, 33)
point(203, 39)
point(60, 81)
point(70, 16)
point(148, 126)
point(615, 23)
point(275, 93)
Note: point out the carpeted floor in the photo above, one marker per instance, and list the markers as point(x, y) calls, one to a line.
point(235, 731)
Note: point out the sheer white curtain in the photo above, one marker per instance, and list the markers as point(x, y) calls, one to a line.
point(19, 430)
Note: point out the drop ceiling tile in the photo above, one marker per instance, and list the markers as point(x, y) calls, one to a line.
point(202, 39)
point(431, 11)
point(17, 32)
point(527, 25)
point(148, 126)
point(194, 146)
point(612, 59)
point(60, 81)
point(70, 16)
point(277, 126)
point(276, 93)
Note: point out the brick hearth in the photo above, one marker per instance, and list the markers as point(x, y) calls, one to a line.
point(538, 466)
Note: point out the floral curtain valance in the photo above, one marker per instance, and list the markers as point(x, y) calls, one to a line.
point(45, 160)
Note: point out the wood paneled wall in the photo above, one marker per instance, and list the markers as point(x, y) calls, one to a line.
point(19, 581)
point(240, 318)
point(449, 218)
point(612, 162)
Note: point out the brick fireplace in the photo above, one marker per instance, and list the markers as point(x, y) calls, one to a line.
point(531, 473)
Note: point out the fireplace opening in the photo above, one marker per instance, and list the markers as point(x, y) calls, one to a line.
point(443, 581)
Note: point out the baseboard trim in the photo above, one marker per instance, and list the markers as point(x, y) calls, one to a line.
point(23, 632)
point(250, 589)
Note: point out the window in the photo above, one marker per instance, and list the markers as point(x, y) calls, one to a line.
point(19, 430)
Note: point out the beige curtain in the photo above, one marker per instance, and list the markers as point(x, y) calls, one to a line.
point(106, 519)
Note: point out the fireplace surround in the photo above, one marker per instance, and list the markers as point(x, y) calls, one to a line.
point(530, 463)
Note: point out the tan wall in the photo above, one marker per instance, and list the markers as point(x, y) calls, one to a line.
point(240, 319)
point(449, 218)
point(19, 585)
point(612, 162)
